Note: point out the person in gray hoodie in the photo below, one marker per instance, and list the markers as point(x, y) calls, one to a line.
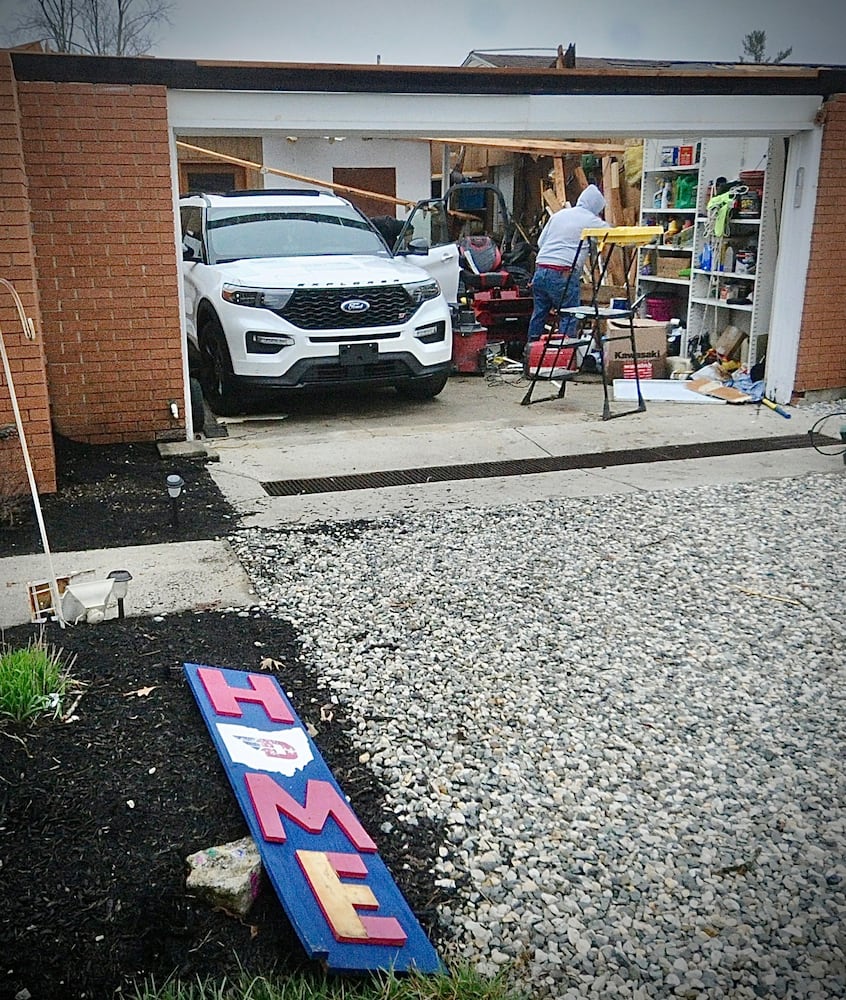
point(557, 271)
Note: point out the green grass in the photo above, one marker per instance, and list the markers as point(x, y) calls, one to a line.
point(33, 680)
point(462, 984)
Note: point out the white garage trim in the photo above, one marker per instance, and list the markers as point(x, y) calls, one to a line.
point(797, 223)
point(551, 117)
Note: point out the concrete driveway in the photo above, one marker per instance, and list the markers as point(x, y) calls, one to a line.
point(480, 420)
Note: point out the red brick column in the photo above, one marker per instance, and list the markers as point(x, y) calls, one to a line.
point(822, 345)
point(17, 265)
point(98, 162)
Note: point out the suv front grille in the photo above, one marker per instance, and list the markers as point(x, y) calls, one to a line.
point(320, 308)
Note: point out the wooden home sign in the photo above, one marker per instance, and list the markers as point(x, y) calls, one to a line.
point(337, 892)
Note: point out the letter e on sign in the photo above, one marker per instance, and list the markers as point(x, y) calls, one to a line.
point(340, 901)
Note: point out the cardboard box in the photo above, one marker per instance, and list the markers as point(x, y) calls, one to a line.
point(651, 343)
point(669, 266)
point(685, 156)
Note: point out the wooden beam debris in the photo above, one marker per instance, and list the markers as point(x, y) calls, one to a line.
point(345, 188)
point(543, 147)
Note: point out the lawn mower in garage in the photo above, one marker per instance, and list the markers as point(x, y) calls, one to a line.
point(495, 300)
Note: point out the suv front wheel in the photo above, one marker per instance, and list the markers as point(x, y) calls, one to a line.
point(216, 375)
point(423, 388)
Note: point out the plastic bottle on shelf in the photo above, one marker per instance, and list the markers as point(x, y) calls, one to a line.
point(665, 194)
point(705, 257)
point(728, 259)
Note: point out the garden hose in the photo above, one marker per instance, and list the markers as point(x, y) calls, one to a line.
point(821, 441)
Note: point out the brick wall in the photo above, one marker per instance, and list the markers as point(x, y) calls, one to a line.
point(822, 344)
point(97, 159)
point(26, 357)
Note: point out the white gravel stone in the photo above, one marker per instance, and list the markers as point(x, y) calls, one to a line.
point(626, 712)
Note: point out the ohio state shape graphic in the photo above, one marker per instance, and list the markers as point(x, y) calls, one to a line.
point(323, 865)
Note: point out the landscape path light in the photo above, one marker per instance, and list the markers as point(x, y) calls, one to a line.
point(174, 489)
point(121, 579)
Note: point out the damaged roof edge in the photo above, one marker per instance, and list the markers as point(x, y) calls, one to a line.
point(187, 74)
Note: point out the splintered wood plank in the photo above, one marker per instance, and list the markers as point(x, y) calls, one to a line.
point(559, 179)
point(581, 178)
point(613, 215)
point(550, 199)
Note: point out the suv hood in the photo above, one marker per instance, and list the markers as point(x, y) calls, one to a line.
point(320, 272)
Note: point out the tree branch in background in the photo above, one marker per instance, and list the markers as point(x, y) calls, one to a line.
point(755, 49)
point(95, 27)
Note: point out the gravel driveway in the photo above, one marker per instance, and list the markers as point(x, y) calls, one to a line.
point(628, 710)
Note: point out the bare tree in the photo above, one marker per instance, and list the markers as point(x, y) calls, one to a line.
point(755, 49)
point(96, 27)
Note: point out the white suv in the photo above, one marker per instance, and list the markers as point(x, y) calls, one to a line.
point(296, 289)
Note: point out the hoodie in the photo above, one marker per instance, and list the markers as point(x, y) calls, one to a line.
point(561, 236)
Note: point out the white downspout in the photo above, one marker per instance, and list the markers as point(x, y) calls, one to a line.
point(183, 335)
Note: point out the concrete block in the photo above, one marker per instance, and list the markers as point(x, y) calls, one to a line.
point(228, 876)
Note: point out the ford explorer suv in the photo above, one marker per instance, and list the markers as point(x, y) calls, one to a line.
point(296, 290)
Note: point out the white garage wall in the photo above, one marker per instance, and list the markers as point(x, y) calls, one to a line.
point(317, 158)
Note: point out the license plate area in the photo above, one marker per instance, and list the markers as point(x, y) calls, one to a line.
point(358, 354)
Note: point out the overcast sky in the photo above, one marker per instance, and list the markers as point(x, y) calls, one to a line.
point(443, 32)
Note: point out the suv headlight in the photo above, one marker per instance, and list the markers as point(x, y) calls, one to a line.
point(421, 291)
point(259, 298)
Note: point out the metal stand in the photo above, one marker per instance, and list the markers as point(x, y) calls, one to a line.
point(591, 318)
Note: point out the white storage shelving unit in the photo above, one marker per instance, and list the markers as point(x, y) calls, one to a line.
point(665, 269)
point(703, 297)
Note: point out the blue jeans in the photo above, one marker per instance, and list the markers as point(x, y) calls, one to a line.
point(548, 289)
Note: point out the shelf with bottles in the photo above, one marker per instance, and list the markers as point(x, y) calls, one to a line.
point(673, 193)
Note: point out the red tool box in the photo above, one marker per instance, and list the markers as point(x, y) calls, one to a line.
point(555, 358)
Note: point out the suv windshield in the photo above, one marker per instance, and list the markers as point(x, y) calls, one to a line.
point(238, 233)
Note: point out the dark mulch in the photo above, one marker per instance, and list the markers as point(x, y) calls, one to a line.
point(115, 495)
point(92, 891)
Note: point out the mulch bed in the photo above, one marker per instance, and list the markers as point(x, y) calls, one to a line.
point(92, 890)
point(115, 495)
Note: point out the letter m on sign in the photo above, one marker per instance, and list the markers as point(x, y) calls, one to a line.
point(322, 863)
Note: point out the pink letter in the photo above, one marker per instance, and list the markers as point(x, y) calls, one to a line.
point(263, 691)
point(322, 801)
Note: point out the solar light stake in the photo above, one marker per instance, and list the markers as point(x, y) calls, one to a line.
point(174, 488)
point(121, 579)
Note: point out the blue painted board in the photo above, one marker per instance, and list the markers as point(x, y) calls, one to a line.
point(337, 891)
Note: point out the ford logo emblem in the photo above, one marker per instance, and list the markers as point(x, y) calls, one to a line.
point(355, 306)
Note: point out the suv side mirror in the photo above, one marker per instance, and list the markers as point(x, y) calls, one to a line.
point(418, 247)
point(188, 253)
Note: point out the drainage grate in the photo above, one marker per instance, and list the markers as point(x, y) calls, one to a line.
point(530, 466)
